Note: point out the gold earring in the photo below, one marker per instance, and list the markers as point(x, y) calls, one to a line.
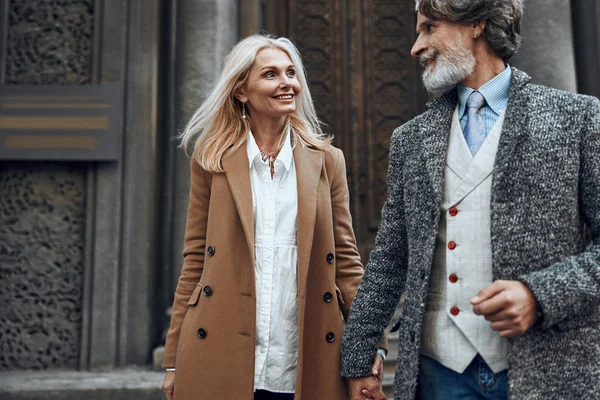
point(244, 110)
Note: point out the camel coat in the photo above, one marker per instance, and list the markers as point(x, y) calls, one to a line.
point(211, 338)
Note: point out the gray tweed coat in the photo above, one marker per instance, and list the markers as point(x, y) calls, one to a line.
point(546, 186)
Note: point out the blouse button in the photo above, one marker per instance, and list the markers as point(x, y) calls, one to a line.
point(453, 211)
point(454, 310)
point(453, 278)
point(451, 245)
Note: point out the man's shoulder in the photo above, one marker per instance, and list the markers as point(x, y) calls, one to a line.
point(559, 100)
point(411, 130)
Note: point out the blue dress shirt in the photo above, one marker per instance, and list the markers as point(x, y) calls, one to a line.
point(495, 92)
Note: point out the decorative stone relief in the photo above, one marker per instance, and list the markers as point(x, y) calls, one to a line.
point(49, 42)
point(42, 205)
point(41, 260)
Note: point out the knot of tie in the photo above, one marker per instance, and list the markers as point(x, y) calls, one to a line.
point(475, 100)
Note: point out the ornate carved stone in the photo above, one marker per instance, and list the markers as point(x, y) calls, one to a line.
point(49, 42)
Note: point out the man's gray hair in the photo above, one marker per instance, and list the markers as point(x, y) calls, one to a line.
point(503, 27)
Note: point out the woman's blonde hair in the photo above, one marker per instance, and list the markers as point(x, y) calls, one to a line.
point(218, 124)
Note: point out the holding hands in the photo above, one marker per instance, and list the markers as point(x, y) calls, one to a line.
point(369, 387)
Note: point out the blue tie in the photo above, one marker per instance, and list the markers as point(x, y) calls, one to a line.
point(474, 131)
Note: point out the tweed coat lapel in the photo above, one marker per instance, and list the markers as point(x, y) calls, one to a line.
point(515, 125)
point(435, 135)
point(238, 176)
point(309, 164)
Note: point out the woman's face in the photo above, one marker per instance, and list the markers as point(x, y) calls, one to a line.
point(272, 86)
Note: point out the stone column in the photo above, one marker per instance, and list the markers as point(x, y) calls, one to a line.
point(206, 31)
point(547, 53)
point(586, 31)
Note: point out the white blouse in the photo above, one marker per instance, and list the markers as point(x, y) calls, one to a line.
point(275, 208)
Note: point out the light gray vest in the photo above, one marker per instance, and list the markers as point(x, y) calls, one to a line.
point(452, 333)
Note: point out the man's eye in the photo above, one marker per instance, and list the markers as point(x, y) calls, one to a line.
point(430, 26)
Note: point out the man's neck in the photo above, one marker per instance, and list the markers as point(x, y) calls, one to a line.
point(487, 66)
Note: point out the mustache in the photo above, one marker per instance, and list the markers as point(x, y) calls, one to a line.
point(425, 58)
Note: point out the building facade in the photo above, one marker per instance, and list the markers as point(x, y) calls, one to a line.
point(90, 251)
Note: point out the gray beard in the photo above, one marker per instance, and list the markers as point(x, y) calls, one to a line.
point(451, 67)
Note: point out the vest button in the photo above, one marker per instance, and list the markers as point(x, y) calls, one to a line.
point(330, 337)
point(451, 245)
point(201, 333)
point(454, 311)
point(327, 297)
point(453, 211)
point(453, 278)
point(329, 258)
point(208, 290)
point(210, 251)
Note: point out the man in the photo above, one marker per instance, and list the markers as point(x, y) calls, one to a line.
point(488, 194)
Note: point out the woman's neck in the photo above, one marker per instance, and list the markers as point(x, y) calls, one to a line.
point(267, 134)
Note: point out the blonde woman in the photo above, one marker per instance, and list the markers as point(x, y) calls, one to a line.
point(270, 255)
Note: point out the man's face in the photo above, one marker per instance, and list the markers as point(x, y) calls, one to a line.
point(445, 50)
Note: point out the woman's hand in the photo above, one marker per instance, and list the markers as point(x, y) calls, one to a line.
point(168, 384)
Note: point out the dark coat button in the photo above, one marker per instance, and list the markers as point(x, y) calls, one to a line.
point(201, 333)
point(330, 258)
point(208, 290)
point(330, 337)
point(327, 297)
point(211, 251)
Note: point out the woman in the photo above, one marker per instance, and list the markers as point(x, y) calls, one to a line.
point(270, 255)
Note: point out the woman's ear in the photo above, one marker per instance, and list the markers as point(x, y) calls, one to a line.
point(239, 94)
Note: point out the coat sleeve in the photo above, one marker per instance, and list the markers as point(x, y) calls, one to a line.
point(384, 278)
point(349, 270)
point(571, 287)
point(193, 253)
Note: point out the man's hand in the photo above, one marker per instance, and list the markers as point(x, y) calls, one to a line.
point(508, 305)
point(369, 387)
point(168, 384)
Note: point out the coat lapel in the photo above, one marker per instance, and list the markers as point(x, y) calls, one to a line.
point(435, 142)
point(238, 176)
point(309, 165)
point(515, 122)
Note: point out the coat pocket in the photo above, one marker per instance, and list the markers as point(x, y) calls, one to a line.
point(195, 295)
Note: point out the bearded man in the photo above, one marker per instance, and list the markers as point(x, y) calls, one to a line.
point(489, 191)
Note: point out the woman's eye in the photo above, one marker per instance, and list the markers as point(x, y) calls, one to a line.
point(269, 75)
point(291, 73)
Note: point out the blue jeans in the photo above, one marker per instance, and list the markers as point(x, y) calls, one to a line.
point(477, 382)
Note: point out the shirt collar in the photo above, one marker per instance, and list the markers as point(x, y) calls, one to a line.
point(286, 155)
point(495, 92)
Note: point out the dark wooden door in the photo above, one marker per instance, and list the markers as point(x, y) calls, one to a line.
point(363, 81)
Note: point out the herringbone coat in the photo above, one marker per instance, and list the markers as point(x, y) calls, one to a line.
point(546, 186)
